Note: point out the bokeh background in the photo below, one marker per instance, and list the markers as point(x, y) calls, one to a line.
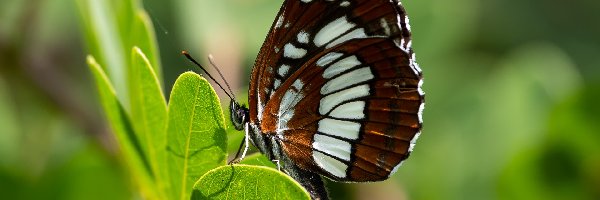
point(513, 94)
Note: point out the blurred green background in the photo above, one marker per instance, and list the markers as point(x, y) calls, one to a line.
point(513, 88)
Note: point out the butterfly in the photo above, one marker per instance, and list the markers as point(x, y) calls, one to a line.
point(335, 91)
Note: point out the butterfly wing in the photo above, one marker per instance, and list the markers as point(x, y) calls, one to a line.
point(339, 87)
point(300, 31)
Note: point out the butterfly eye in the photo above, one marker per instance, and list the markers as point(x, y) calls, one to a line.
point(239, 115)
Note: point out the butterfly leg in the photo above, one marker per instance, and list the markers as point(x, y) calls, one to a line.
point(246, 146)
point(311, 181)
point(236, 159)
point(278, 166)
point(246, 138)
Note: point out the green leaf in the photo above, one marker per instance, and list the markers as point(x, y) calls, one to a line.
point(111, 29)
point(247, 182)
point(149, 111)
point(101, 29)
point(121, 126)
point(195, 133)
point(143, 37)
point(258, 159)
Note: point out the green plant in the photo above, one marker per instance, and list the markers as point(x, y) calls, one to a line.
point(176, 150)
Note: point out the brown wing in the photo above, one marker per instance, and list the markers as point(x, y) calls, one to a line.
point(292, 39)
point(352, 113)
point(348, 103)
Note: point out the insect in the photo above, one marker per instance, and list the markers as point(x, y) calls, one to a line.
point(335, 91)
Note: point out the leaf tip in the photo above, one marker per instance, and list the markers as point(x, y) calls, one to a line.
point(91, 60)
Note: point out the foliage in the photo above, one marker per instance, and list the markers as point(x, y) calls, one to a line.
point(240, 182)
point(511, 92)
point(167, 148)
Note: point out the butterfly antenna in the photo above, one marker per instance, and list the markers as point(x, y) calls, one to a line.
point(187, 55)
point(212, 62)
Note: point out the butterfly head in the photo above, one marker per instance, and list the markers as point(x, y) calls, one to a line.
point(239, 115)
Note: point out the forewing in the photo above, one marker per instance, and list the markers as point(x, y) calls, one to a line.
point(336, 83)
point(304, 29)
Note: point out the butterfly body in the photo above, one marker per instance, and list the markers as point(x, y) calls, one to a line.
point(335, 91)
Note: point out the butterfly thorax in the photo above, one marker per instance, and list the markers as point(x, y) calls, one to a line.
point(238, 114)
